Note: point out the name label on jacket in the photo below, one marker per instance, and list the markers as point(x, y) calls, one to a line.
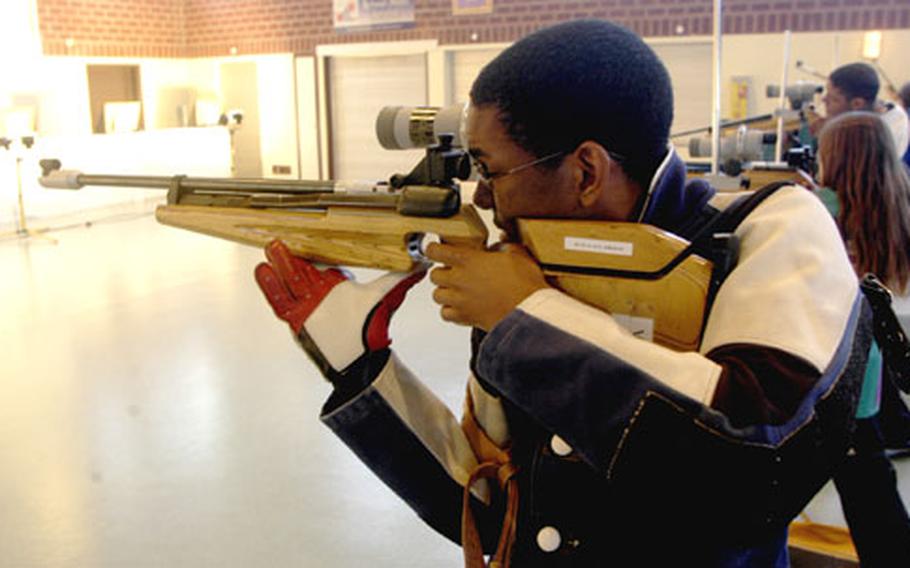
point(599, 246)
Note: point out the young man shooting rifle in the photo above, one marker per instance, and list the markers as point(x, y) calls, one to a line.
point(582, 444)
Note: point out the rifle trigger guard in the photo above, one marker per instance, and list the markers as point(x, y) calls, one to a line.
point(417, 245)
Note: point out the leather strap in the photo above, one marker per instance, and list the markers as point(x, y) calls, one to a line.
point(470, 538)
point(484, 448)
point(496, 464)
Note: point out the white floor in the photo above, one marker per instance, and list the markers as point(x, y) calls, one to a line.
point(153, 412)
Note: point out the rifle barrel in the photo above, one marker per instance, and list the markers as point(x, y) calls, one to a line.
point(224, 185)
point(410, 200)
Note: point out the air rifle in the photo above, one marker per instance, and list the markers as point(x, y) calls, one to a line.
point(642, 275)
point(379, 226)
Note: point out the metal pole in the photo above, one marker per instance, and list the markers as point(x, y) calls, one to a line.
point(213, 184)
point(23, 226)
point(725, 124)
point(715, 111)
point(782, 100)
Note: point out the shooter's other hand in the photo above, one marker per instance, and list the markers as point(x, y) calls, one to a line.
point(338, 322)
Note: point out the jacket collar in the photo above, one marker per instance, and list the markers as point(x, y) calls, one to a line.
point(672, 202)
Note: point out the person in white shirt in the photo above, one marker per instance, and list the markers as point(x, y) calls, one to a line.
point(854, 87)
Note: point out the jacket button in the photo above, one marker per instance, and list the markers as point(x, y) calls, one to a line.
point(548, 539)
point(559, 446)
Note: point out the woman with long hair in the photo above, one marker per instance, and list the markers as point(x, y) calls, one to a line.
point(859, 163)
point(903, 97)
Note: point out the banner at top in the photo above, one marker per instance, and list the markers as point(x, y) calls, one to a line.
point(360, 15)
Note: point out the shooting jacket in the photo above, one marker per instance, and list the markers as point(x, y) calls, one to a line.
point(617, 446)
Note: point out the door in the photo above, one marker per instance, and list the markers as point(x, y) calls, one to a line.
point(239, 87)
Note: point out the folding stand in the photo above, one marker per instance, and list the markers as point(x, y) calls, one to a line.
point(22, 231)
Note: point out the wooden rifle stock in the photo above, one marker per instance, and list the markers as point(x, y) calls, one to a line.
point(667, 310)
point(617, 267)
point(612, 266)
point(339, 235)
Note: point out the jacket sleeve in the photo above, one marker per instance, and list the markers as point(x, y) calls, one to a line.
point(583, 376)
point(412, 441)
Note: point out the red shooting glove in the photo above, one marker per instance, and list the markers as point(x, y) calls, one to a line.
point(341, 324)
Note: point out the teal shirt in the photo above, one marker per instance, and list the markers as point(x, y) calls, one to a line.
point(870, 396)
point(829, 199)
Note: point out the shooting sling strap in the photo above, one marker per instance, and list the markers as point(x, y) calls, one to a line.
point(495, 465)
point(712, 239)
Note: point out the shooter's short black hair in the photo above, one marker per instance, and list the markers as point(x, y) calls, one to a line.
point(904, 95)
point(583, 80)
point(856, 80)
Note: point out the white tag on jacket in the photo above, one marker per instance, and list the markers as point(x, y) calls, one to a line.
point(642, 328)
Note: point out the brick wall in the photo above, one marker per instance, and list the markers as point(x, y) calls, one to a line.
point(150, 28)
point(189, 28)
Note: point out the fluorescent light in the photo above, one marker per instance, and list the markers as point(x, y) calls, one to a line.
point(872, 45)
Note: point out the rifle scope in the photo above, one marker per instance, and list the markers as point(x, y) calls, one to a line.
point(402, 127)
point(799, 94)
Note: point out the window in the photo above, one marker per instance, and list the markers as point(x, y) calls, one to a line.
point(115, 84)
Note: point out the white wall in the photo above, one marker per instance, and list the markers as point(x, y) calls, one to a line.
point(165, 84)
point(756, 57)
point(359, 87)
point(307, 118)
point(20, 46)
point(277, 112)
point(60, 86)
point(289, 90)
point(361, 56)
point(275, 76)
point(199, 152)
point(760, 57)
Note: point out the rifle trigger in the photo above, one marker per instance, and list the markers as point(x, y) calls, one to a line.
point(417, 245)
